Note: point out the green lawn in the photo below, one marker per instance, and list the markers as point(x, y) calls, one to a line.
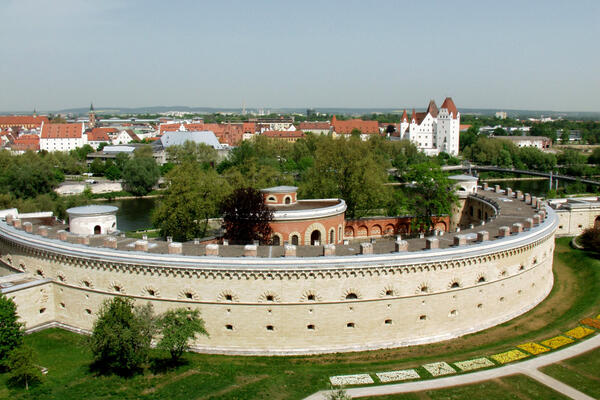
point(581, 372)
point(576, 295)
point(516, 387)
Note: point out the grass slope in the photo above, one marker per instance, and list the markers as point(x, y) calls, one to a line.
point(576, 295)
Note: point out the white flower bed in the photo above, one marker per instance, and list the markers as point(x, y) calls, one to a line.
point(393, 376)
point(343, 380)
point(439, 368)
point(477, 363)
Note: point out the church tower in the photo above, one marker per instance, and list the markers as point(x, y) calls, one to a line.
point(92, 117)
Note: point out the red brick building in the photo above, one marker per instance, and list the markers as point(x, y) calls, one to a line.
point(304, 222)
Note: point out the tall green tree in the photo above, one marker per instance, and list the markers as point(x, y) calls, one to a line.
point(191, 151)
point(140, 174)
point(177, 327)
point(194, 195)
point(346, 169)
point(11, 330)
point(121, 336)
point(432, 195)
point(23, 367)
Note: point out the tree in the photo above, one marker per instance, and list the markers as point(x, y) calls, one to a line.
point(97, 167)
point(433, 195)
point(590, 239)
point(192, 151)
point(194, 195)
point(112, 172)
point(499, 131)
point(23, 368)
point(246, 217)
point(140, 174)
point(11, 330)
point(177, 327)
point(347, 169)
point(121, 336)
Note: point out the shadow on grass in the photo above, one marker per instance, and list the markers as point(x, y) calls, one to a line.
point(99, 368)
point(160, 364)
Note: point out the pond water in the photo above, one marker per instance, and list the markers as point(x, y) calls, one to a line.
point(133, 214)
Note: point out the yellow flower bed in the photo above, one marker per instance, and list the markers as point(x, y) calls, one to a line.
point(509, 356)
point(557, 342)
point(533, 348)
point(579, 332)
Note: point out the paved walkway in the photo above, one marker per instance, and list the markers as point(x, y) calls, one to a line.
point(529, 368)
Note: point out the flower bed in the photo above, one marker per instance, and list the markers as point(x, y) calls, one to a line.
point(509, 356)
point(476, 363)
point(358, 379)
point(439, 368)
point(557, 342)
point(533, 348)
point(401, 375)
point(579, 332)
point(591, 322)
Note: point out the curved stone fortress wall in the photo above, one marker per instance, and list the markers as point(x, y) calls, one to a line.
point(303, 305)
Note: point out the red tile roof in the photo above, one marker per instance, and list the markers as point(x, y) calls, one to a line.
point(26, 142)
point(307, 126)
point(404, 116)
point(346, 127)
point(132, 134)
point(62, 131)
point(100, 134)
point(432, 109)
point(450, 106)
point(249, 127)
point(22, 120)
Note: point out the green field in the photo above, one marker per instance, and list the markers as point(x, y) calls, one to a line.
point(576, 295)
point(582, 372)
point(516, 387)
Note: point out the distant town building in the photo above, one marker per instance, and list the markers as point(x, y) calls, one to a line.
point(501, 114)
point(287, 136)
point(366, 128)
point(99, 135)
point(541, 142)
point(125, 136)
point(26, 143)
point(318, 128)
point(22, 121)
point(433, 131)
point(62, 137)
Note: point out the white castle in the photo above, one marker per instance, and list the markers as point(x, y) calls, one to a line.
point(433, 131)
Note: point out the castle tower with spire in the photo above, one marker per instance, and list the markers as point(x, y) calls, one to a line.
point(433, 131)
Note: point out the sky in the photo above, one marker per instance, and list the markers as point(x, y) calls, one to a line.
point(534, 54)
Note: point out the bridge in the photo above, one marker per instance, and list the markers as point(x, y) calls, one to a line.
point(549, 175)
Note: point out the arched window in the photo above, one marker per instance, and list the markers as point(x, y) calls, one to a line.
point(315, 237)
point(351, 296)
point(331, 236)
point(276, 241)
point(288, 200)
point(295, 240)
point(97, 230)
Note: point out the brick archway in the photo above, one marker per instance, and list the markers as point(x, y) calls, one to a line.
point(315, 227)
